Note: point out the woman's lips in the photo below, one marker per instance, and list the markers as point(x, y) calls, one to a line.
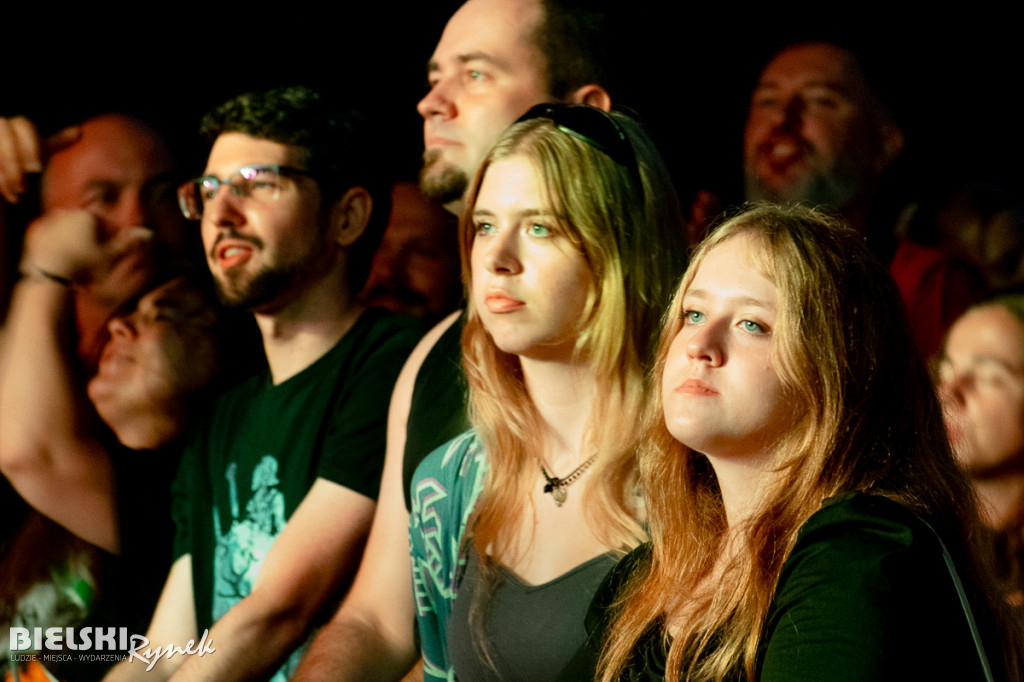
point(695, 387)
point(499, 302)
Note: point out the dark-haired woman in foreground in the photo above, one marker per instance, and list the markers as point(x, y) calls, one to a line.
point(798, 481)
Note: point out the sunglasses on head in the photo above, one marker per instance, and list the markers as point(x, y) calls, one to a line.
point(594, 126)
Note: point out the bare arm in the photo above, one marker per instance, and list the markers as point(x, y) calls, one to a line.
point(174, 621)
point(416, 674)
point(314, 554)
point(47, 450)
point(371, 637)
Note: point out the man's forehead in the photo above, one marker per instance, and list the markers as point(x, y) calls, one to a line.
point(179, 294)
point(175, 288)
point(474, 57)
point(113, 150)
point(233, 150)
point(493, 30)
point(992, 325)
point(814, 64)
point(413, 211)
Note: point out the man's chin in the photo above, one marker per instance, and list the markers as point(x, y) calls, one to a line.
point(775, 187)
point(442, 182)
point(266, 291)
point(806, 187)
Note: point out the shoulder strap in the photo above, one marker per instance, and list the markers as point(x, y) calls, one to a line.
point(964, 603)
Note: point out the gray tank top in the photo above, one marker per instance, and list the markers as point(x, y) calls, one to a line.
point(531, 630)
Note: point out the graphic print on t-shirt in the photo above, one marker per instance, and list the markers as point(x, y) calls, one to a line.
point(242, 549)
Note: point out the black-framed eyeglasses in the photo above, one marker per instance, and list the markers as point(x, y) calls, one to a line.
point(261, 182)
point(594, 126)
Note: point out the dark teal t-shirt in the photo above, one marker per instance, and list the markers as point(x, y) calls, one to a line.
point(250, 463)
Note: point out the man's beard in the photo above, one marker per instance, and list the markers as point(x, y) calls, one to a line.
point(444, 183)
point(262, 288)
point(814, 188)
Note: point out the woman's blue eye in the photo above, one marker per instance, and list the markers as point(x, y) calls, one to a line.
point(485, 228)
point(752, 327)
point(693, 317)
point(539, 231)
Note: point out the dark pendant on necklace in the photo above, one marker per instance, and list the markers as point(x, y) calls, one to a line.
point(556, 486)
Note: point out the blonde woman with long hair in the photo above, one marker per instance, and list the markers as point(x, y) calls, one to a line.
point(571, 243)
point(807, 517)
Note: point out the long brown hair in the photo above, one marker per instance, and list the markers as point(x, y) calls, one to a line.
point(866, 419)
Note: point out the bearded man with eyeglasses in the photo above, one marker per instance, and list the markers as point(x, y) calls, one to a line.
point(277, 485)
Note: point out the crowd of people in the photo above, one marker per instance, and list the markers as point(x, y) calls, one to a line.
point(536, 415)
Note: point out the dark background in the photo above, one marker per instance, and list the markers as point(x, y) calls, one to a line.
point(954, 78)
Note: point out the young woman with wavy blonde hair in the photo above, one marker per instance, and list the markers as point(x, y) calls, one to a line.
point(798, 481)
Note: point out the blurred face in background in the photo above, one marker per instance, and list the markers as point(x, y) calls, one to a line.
point(121, 171)
point(159, 354)
point(814, 132)
point(415, 271)
point(982, 388)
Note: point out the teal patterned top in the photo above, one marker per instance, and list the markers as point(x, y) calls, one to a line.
point(444, 490)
